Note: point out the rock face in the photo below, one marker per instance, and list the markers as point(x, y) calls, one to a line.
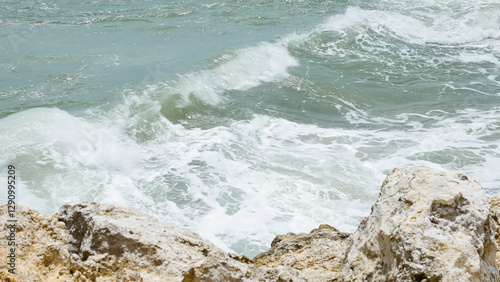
point(317, 255)
point(425, 226)
point(109, 243)
point(98, 242)
point(495, 214)
point(41, 247)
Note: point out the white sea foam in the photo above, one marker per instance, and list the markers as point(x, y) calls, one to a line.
point(435, 27)
point(63, 158)
point(240, 184)
point(245, 69)
point(478, 58)
point(254, 179)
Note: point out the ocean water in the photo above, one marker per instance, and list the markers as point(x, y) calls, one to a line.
point(241, 120)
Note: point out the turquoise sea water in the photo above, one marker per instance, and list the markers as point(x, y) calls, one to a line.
point(241, 120)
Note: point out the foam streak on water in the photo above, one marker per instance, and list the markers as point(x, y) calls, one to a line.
point(264, 123)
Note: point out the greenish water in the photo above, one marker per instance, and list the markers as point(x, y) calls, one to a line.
point(245, 119)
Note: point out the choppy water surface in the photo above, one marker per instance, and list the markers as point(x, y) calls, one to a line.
point(241, 120)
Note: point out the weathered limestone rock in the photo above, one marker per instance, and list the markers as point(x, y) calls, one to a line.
point(495, 215)
point(41, 247)
point(425, 226)
point(110, 243)
point(317, 255)
point(93, 242)
point(213, 270)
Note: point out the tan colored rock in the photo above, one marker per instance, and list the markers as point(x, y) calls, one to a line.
point(213, 270)
point(41, 247)
point(495, 215)
point(93, 242)
point(317, 256)
point(425, 226)
point(109, 243)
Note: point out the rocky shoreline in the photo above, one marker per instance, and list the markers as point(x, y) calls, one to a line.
point(425, 226)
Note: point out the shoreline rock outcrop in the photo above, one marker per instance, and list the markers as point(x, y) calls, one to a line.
point(318, 255)
point(120, 243)
point(425, 226)
point(41, 247)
